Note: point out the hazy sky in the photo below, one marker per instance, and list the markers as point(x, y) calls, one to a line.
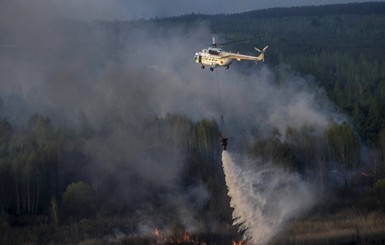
point(134, 9)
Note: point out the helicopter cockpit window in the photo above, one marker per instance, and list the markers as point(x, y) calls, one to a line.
point(213, 52)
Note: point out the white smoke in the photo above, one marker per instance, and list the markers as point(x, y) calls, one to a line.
point(264, 198)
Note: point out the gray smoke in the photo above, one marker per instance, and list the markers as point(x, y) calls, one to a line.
point(79, 71)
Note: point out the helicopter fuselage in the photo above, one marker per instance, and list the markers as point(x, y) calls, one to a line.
point(212, 57)
point(216, 57)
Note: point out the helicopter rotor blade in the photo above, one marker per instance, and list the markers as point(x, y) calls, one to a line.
point(238, 41)
point(214, 43)
point(263, 50)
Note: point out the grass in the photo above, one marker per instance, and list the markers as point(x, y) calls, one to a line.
point(347, 227)
point(350, 226)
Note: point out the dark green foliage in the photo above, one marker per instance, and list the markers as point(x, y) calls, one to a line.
point(343, 145)
point(79, 199)
point(136, 240)
point(379, 185)
point(43, 172)
point(336, 9)
point(274, 149)
point(5, 135)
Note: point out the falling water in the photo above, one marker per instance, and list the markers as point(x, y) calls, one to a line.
point(264, 199)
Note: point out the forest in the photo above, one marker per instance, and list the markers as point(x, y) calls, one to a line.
point(117, 177)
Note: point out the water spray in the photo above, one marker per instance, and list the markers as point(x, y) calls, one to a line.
point(264, 198)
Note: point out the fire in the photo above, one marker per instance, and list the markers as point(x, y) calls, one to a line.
point(237, 243)
point(186, 236)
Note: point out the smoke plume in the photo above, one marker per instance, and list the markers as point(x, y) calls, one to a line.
point(114, 77)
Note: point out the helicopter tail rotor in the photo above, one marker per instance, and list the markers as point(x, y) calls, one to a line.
point(263, 50)
point(262, 55)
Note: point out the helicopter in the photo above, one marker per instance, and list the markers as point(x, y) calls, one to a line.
point(217, 57)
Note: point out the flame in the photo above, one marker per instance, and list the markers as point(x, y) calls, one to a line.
point(237, 243)
point(186, 236)
point(186, 239)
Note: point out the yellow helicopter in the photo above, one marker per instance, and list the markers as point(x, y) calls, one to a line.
point(216, 57)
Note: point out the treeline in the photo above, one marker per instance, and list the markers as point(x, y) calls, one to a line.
point(46, 170)
point(42, 167)
point(46, 173)
point(321, 10)
point(50, 178)
point(370, 8)
point(30, 167)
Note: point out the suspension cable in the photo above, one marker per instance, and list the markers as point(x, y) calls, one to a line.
point(222, 121)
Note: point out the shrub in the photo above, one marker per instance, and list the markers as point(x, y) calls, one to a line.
point(79, 199)
point(379, 185)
